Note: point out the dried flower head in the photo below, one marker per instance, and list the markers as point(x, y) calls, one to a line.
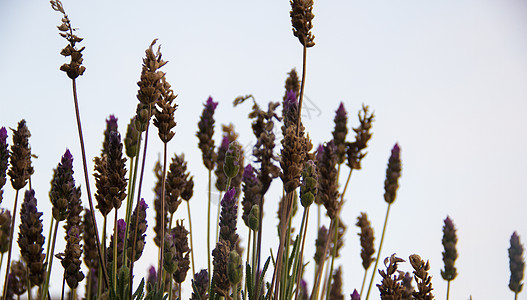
point(228, 217)
point(182, 251)
point(116, 167)
point(104, 204)
point(335, 292)
point(138, 220)
point(293, 155)
point(177, 178)
point(5, 228)
point(424, 281)
point(408, 288)
point(91, 256)
point(340, 132)
point(121, 231)
point(132, 139)
point(355, 149)
point(301, 18)
point(393, 172)
point(450, 254)
point(75, 209)
point(516, 263)
point(21, 168)
point(17, 280)
point(292, 84)
point(320, 245)
point(327, 180)
point(151, 85)
point(200, 285)
point(164, 114)
point(366, 240)
point(70, 259)
point(251, 192)
point(4, 159)
point(111, 126)
point(221, 178)
point(62, 186)
point(206, 132)
point(74, 69)
point(391, 285)
point(220, 262)
point(30, 238)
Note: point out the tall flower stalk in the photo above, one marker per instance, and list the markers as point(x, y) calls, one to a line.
point(516, 264)
point(450, 254)
point(391, 184)
point(20, 173)
point(206, 144)
point(75, 69)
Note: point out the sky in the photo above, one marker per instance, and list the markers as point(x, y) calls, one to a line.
point(446, 80)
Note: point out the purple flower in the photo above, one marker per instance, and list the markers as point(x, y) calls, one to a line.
point(355, 295)
point(152, 277)
point(206, 132)
point(67, 160)
point(290, 101)
point(320, 152)
point(211, 105)
point(229, 214)
point(201, 282)
point(3, 136)
point(393, 173)
point(224, 143)
point(248, 174)
point(111, 123)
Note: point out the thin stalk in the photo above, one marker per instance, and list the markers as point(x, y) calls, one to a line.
point(253, 269)
point(191, 244)
point(100, 288)
point(179, 290)
point(170, 291)
point(11, 231)
point(235, 291)
point(335, 241)
point(88, 286)
point(379, 251)
point(128, 211)
point(139, 199)
point(304, 59)
point(247, 261)
point(74, 293)
point(87, 180)
point(1, 260)
point(285, 266)
point(318, 216)
point(208, 226)
point(448, 289)
point(218, 217)
point(50, 263)
point(49, 239)
point(318, 275)
point(259, 247)
point(163, 210)
point(363, 281)
point(63, 284)
point(115, 233)
point(300, 264)
point(515, 295)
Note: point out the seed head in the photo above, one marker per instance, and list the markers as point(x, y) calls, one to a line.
point(5, 229)
point(164, 114)
point(355, 149)
point(205, 134)
point(70, 259)
point(138, 221)
point(251, 192)
point(201, 285)
point(366, 240)
point(62, 186)
point(182, 251)
point(301, 17)
point(228, 217)
point(393, 173)
point(21, 168)
point(450, 254)
point(4, 159)
point(340, 132)
point(516, 263)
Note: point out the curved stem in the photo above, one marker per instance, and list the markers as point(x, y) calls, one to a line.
point(87, 180)
point(379, 251)
point(11, 231)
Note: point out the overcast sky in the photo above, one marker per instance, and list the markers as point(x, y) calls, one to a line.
point(447, 81)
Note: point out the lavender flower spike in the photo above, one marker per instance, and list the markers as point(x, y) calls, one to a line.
point(516, 264)
point(229, 214)
point(355, 295)
point(205, 133)
point(4, 157)
point(393, 172)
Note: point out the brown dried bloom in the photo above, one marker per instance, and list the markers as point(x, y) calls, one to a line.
point(327, 180)
point(177, 178)
point(182, 251)
point(393, 172)
point(335, 292)
point(292, 83)
point(70, 259)
point(516, 263)
point(164, 114)
point(450, 254)
point(362, 136)
point(91, 258)
point(391, 287)
point(220, 262)
point(423, 280)
point(74, 69)
point(158, 172)
point(20, 160)
point(5, 228)
point(366, 240)
point(229, 136)
point(301, 17)
point(206, 132)
point(151, 85)
point(17, 281)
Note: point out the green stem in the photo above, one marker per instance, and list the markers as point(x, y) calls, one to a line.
point(379, 251)
point(141, 175)
point(318, 217)
point(300, 264)
point(49, 239)
point(28, 284)
point(74, 293)
point(87, 180)
point(170, 291)
point(191, 244)
point(63, 284)
point(253, 267)
point(11, 231)
point(320, 268)
point(50, 262)
point(1, 260)
point(334, 254)
point(100, 287)
point(208, 226)
point(163, 184)
point(218, 217)
point(88, 285)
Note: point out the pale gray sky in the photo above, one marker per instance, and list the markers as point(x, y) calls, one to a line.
point(446, 79)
